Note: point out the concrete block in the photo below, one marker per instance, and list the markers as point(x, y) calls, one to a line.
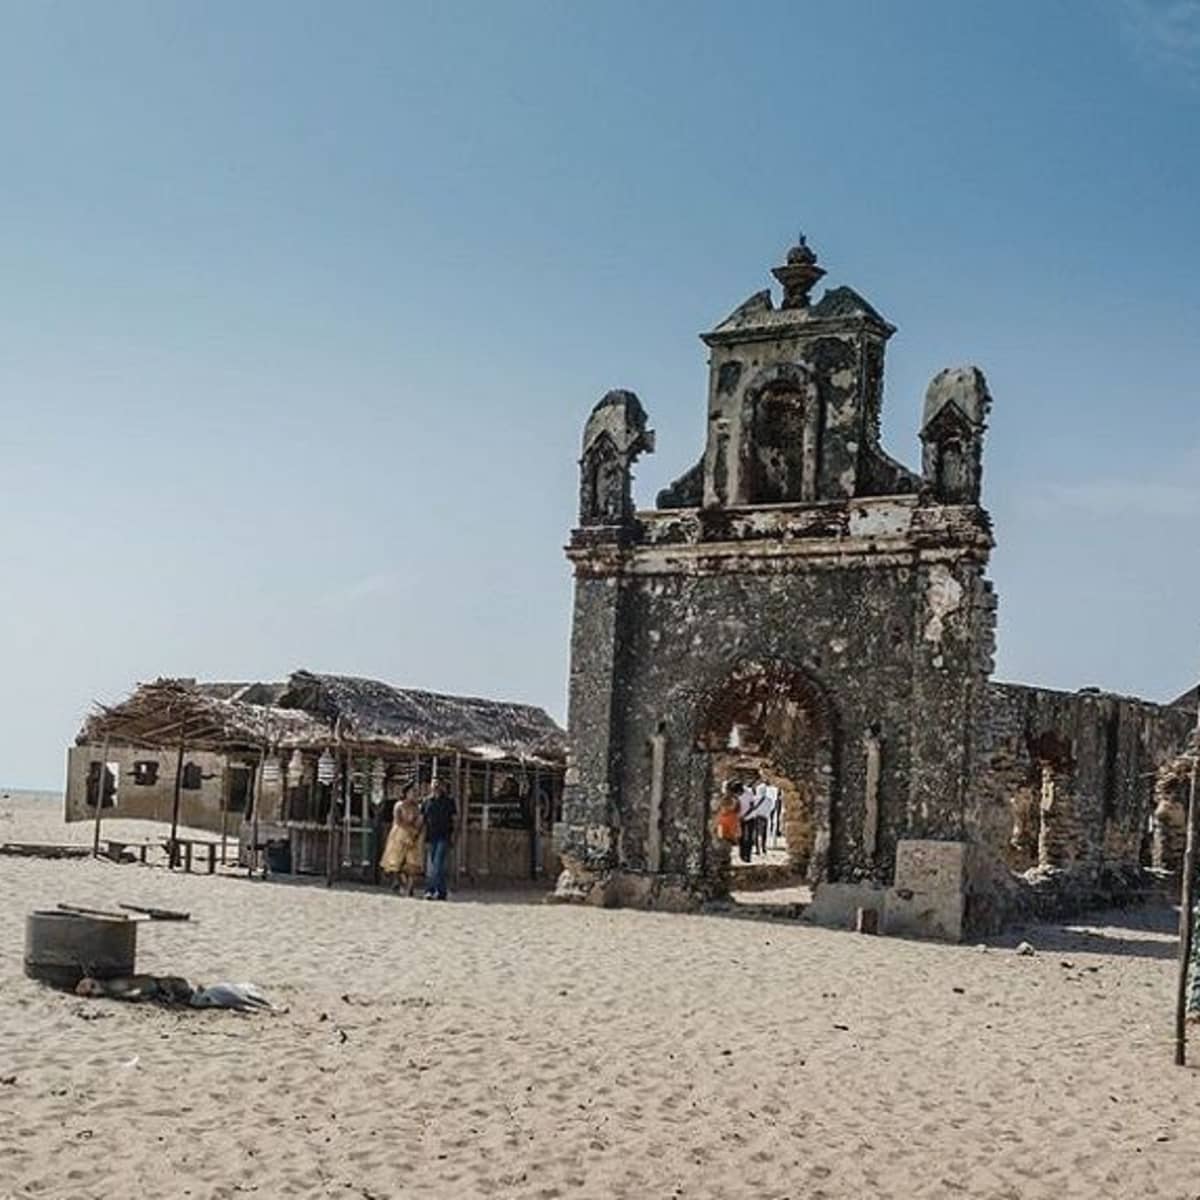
point(934, 915)
point(929, 896)
point(924, 865)
point(836, 904)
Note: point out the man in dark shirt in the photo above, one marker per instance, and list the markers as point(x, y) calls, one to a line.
point(438, 812)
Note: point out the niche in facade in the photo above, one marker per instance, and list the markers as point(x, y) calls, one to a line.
point(780, 427)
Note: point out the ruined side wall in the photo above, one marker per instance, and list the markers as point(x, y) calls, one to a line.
point(1100, 753)
point(199, 808)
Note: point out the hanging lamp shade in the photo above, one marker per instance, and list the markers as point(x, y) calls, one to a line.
point(295, 769)
point(326, 768)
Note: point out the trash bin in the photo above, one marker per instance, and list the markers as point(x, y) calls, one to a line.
point(279, 858)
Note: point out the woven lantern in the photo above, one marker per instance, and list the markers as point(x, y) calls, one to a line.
point(326, 767)
point(295, 769)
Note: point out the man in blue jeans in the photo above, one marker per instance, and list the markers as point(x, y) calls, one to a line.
point(438, 812)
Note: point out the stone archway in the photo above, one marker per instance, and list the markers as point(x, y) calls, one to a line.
point(775, 720)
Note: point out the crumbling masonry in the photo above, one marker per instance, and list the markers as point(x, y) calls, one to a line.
point(801, 601)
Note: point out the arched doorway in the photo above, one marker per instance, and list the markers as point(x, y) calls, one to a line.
point(772, 721)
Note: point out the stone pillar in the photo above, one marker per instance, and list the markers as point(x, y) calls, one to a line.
point(1169, 832)
point(949, 675)
point(1054, 843)
point(591, 797)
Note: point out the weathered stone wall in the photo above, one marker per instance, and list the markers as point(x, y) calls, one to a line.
point(887, 627)
point(1066, 780)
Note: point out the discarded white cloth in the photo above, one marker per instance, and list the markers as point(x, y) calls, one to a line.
point(242, 996)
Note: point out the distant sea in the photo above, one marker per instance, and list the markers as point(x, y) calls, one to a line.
point(11, 793)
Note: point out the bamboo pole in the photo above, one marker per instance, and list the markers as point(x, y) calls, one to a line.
point(171, 851)
point(100, 790)
point(1186, 919)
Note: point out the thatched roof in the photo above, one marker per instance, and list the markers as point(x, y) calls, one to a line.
point(314, 711)
point(369, 711)
point(168, 712)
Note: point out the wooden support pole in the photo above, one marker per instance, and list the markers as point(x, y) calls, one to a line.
point(171, 851)
point(331, 833)
point(535, 823)
point(460, 834)
point(485, 827)
point(347, 804)
point(255, 801)
point(227, 783)
point(1186, 903)
point(100, 789)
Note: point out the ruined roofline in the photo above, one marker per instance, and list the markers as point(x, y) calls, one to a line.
point(757, 318)
point(786, 323)
point(911, 499)
point(1094, 693)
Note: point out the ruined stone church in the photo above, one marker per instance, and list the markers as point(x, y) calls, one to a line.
point(802, 605)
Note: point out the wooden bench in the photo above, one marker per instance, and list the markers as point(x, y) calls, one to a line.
point(114, 848)
point(173, 845)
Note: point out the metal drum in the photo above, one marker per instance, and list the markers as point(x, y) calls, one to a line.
point(62, 947)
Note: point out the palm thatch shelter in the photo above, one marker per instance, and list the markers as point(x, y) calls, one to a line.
point(315, 763)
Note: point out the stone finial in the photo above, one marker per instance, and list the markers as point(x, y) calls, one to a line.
point(798, 275)
point(614, 437)
point(952, 428)
point(965, 388)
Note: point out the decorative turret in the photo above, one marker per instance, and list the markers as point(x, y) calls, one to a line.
point(952, 428)
point(614, 437)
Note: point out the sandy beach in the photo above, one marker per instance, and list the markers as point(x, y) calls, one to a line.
point(498, 1047)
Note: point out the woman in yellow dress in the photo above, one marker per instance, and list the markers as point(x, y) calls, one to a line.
point(403, 857)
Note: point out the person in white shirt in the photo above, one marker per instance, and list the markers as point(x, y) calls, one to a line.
point(747, 805)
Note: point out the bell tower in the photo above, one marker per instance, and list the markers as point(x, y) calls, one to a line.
point(794, 397)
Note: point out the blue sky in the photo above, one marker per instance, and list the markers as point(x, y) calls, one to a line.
point(304, 306)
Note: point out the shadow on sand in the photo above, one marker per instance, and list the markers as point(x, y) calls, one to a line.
point(1149, 931)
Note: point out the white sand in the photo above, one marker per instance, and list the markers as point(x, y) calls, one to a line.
point(508, 1049)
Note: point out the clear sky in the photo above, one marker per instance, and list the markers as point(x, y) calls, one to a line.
point(303, 307)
